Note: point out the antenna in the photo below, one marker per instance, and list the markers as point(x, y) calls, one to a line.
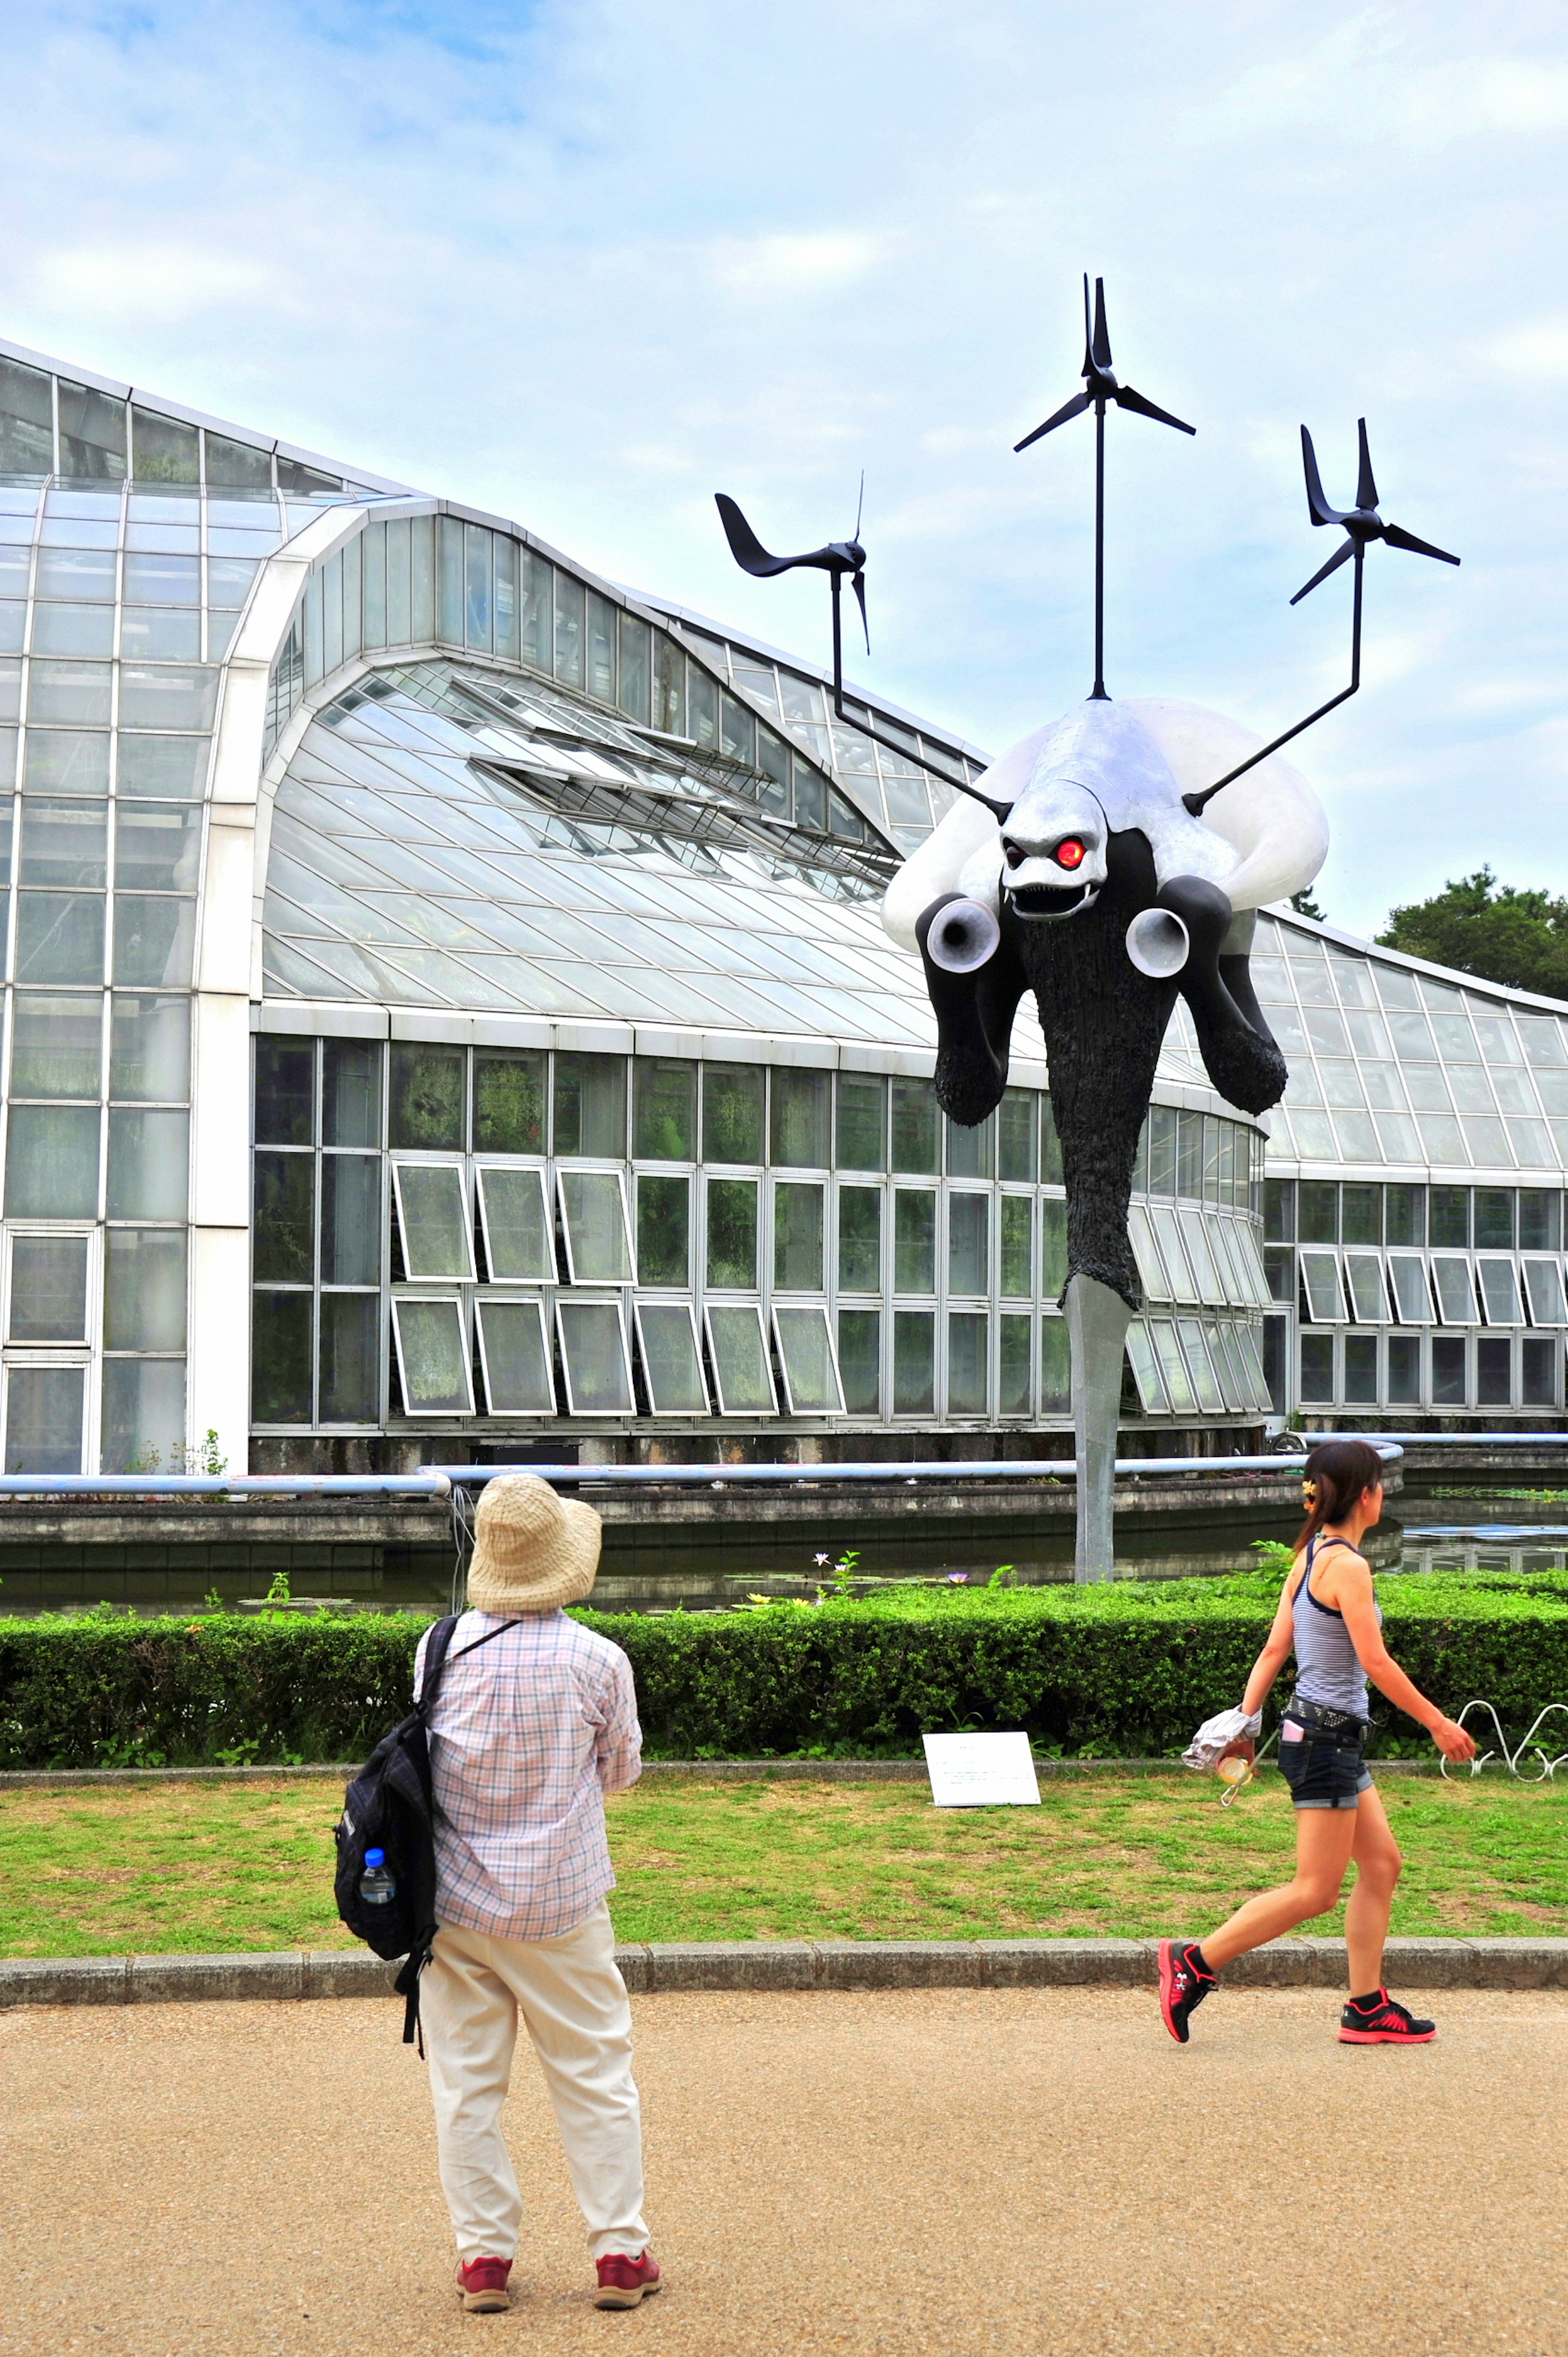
point(1363, 525)
point(838, 559)
point(1100, 387)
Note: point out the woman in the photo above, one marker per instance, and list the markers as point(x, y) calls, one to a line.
point(1329, 1618)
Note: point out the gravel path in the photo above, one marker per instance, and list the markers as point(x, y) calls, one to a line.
point(960, 2171)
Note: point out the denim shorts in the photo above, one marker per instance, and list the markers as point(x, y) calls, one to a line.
point(1322, 1770)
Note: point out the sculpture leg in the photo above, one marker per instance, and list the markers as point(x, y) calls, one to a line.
point(1098, 1319)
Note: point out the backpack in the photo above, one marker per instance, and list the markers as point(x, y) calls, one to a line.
point(390, 1806)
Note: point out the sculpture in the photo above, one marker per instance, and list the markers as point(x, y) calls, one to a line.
point(1108, 863)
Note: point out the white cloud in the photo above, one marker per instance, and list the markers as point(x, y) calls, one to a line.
point(787, 263)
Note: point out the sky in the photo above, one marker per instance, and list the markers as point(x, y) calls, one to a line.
point(584, 265)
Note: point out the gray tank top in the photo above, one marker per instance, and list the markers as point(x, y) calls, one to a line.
point(1328, 1667)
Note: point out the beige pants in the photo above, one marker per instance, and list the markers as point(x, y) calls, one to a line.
point(573, 2004)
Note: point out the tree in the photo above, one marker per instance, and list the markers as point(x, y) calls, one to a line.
point(1485, 928)
point(1305, 905)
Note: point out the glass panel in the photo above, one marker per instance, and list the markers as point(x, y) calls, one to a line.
point(968, 1243)
point(1244, 1240)
point(1014, 1387)
point(798, 1238)
point(1146, 1369)
point(590, 1105)
point(1017, 1136)
point(1494, 1370)
point(740, 1362)
point(350, 1369)
point(163, 450)
point(43, 1415)
point(1051, 1144)
point(1543, 1282)
point(593, 1209)
point(171, 768)
point(806, 1355)
point(284, 1218)
point(1173, 1252)
point(73, 630)
point(1173, 1368)
point(427, 1107)
point(914, 1241)
point(663, 1229)
point(860, 1361)
point(672, 1363)
point(280, 1360)
point(968, 1349)
point(1448, 1370)
point(916, 1134)
point(352, 1219)
point(432, 1220)
point(914, 1362)
point(1145, 1251)
point(1499, 1293)
point(1539, 1220)
point(732, 1112)
point(78, 573)
point(1194, 1235)
point(568, 631)
point(731, 1231)
point(153, 940)
point(26, 448)
point(1234, 1378)
point(285, 1087)
point(1538, 1371)
point(432, 1361)
point(1456, 1296)
point(669, 686)
point(1360, 1213)
point(861, 1141)
point(1320, 1274)
point(160, 697)
point(1056, 1367)
point(703, 707)
point(228, 580)
point(972, 1152)
point(1206, 1382)
point(59, 937)
point(860, 1241)
point(143, 1288)
point(351, 1093)
point(509, 1101)
point(76, 694)
point(57, 1046)
point(1495, 1218)
point(664, 1126)
point(601, 679)
point(48, 1289)
point(799, 1119)
point(237, 466)
point(158, 849)
point(515, 1357)
point(632, 691)
point(1450, 1207)
point(149, 1164)
point(52, 1162)
point(517, 1236)
point(66, 762)
point(1053, 1247)
point(1318, 1205)
point(161, 581)
point(1361, 1370)
point(1413, 1302)
point(1365, 1272)
point(1017, 1246)
point(149, 1055)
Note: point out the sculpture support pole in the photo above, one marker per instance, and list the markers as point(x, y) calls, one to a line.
point(1098, 1319)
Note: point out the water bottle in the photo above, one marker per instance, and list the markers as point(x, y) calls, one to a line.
point(378, 1884)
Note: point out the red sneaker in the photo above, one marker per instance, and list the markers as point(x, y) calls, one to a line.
point(623, 2282)
point(1384, 2023)
point(481, 2286)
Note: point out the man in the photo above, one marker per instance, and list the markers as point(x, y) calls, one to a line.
point(527, 1737)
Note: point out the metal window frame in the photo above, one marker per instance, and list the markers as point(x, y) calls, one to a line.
point(458, 1166)
point(540, 1172)
point(1172, 1366)
point(1356, 1259)
point(565, 1306)
point(1403, 1315)
point(449, 1300)
point(1019, 1317)
point(1317, 1253)
point(22, 1357)
point(807, 1309)
point(1540, 1267)
point(754, 1309)
point(1487, 1264)
point(1151, 1268)
point(1173, 1252)
point(1147, 1378)
point(595, 1171)
point(93, 1235)
point(1462, 1261)
point(663, 1304)
point(1200, 1365)
point(485, 1300)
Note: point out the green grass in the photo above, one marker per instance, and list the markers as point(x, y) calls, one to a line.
point(224, 1866)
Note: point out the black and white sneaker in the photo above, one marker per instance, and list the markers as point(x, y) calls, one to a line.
point(1184, 1982)
point(1380, 2021)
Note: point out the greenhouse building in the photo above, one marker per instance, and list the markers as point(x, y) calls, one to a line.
point(448, 1017)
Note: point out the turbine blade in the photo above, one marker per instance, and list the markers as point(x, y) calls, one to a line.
point(1397, 537)
point(860, 504)
point(857, 583)
point(1125, 398)
point(1073, 408)
point(1366, 489)
point(1317, 507)
point(1347, 549)
point(744, 546)
point(1102, 344)
point(1088, 331)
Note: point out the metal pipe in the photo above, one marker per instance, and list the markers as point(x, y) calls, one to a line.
point(1018, 1468)
point(217, 1485)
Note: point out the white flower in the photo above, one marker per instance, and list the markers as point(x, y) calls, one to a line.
point(821, 1558)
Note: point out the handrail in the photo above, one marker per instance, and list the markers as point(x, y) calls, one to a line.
point(1017, 1468)
point(423, 1484)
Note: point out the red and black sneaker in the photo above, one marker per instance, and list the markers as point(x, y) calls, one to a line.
point(1380, 2021)
point(1184, 1982)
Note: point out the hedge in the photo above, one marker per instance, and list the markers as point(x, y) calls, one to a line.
point(1120, 1671)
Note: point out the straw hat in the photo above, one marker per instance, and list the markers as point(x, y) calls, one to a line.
point(532, 1549)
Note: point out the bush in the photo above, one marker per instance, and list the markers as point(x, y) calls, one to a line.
point(1111, 1672)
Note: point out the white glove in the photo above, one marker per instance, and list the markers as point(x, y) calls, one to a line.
point(1217, 1734)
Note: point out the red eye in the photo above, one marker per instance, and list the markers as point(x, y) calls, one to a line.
point(1070, 854)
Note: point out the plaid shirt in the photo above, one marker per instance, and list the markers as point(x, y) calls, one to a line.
point(528, 1737)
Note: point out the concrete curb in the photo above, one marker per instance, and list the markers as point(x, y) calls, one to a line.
point(764, 1965)
point(722, 1771)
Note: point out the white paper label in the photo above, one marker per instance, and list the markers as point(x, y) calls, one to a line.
point(981, 1771)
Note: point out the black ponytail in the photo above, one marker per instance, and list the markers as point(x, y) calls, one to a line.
point(1336, 1476)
